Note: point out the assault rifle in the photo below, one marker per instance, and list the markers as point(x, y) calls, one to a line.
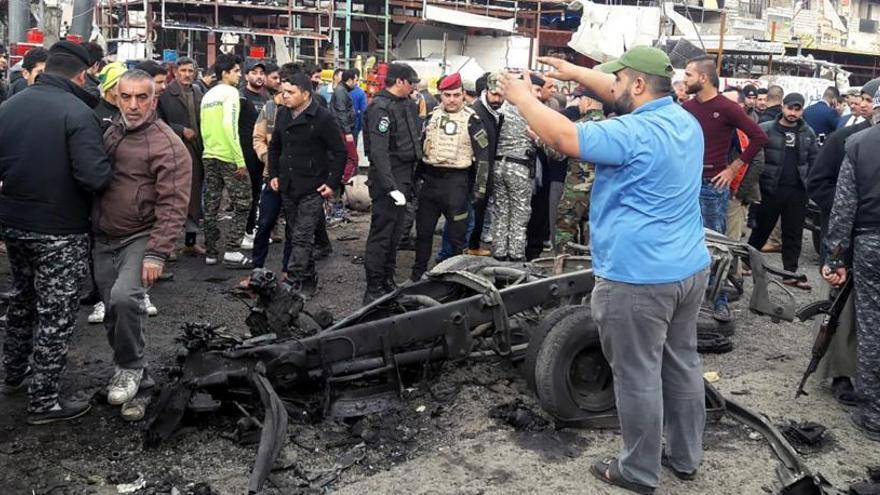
point(831, 308)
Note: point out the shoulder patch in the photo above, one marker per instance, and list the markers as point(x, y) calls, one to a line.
point(481, 138)
point(383, 125)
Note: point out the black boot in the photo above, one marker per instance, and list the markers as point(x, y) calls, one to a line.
point(373, 292)
point(389, 285)
point(309, 286)
point(190, 239)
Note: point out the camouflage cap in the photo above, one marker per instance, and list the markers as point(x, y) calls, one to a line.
point(492, 82)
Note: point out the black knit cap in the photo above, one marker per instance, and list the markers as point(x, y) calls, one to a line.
point(72, 50)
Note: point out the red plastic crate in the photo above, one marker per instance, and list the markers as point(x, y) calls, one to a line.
point(20, 49)
point(258, 52)
point(74, 38)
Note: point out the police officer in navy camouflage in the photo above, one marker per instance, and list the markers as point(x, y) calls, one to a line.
point(50, 164)
point(391, 142)
point(855, 225)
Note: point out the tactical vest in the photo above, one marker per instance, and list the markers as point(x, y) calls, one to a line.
point(447, 139)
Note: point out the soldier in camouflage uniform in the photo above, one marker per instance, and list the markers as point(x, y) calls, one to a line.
point(574, 206)
point(512, 183)
point(855, 223)
point(44, 220)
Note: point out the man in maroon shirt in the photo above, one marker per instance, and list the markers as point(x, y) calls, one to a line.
point(720, 118)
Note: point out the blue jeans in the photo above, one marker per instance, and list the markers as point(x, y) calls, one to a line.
point(446, 246)
point(270, 209)
point(713, 205)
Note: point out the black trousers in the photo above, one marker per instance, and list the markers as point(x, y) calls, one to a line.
point(443, 193)
point(790, 204)
point(386, 229)
point(255, 171)
point(538, 229)
point(303, 214)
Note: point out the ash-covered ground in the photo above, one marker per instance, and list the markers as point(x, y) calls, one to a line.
point(449, 437)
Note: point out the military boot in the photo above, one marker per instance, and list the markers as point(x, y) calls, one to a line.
point(372, 293)
point(388, 284)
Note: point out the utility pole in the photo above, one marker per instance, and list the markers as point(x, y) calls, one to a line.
point(18, 20)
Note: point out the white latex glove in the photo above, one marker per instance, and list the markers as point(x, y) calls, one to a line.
point(398, 197)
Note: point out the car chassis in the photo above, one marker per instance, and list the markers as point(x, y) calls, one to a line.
point(465, 307)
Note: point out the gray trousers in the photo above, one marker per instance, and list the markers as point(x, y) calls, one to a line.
point(840, 360)
point(649, 336)
point(118, 272)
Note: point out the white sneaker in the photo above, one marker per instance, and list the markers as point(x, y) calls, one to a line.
point(123, 386)
point(237, 259)
point(248, 241)
point(97, 315)
point(210, 261)
point(152, 310)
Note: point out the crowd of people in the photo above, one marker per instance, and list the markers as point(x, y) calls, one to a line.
point(126, 159)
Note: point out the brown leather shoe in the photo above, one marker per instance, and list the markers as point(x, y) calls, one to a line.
point(194, 250)
point(478, 252)
point(771, 247)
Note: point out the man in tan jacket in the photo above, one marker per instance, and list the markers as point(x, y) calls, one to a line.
point(136, 221)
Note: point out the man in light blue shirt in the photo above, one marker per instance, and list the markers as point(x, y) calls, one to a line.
point(649, 255)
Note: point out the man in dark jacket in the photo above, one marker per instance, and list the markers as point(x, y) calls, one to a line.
point(488, 108)
point(136, 221)
point(822, 116)
point(306, 161)
point(788, 156)
point(253, 98)
point(341, 104)
point(32, 65)
point(853, 247)
point(96, 55)
point(50, 164)
point(772, 113)
point(391, 141)
point(840, 360)
point(179, 108)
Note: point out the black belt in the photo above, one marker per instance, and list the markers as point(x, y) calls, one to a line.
point(521, 161)
point(444, 171)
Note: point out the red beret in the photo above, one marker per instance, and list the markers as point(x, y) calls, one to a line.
point(452, 81)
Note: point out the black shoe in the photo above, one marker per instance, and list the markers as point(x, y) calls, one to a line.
point(14, 384)
point(872, 432)
point(389, 285)
point(682, 475)
point(843, 391)
point(322, 252)
point(310, 286)
point(372, 293)
point(65, 412)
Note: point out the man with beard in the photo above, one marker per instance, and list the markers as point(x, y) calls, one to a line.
point(488, 109)
point(788, 157)
point(454, 167)
point(179, 108)
point(750, 93)
point(761, 102)
point(253, 98)
point(647, 246)
point(133, 239)
point(719, 118)
point(32, 65)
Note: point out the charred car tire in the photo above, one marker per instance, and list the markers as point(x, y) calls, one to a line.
point(537, 338)
point(572, 376)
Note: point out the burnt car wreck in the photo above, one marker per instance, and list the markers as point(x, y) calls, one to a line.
point(534, 314)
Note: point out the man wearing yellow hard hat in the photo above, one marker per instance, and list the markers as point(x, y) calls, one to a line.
point(106, 108)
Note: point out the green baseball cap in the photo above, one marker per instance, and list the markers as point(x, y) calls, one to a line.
point(643, 59)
